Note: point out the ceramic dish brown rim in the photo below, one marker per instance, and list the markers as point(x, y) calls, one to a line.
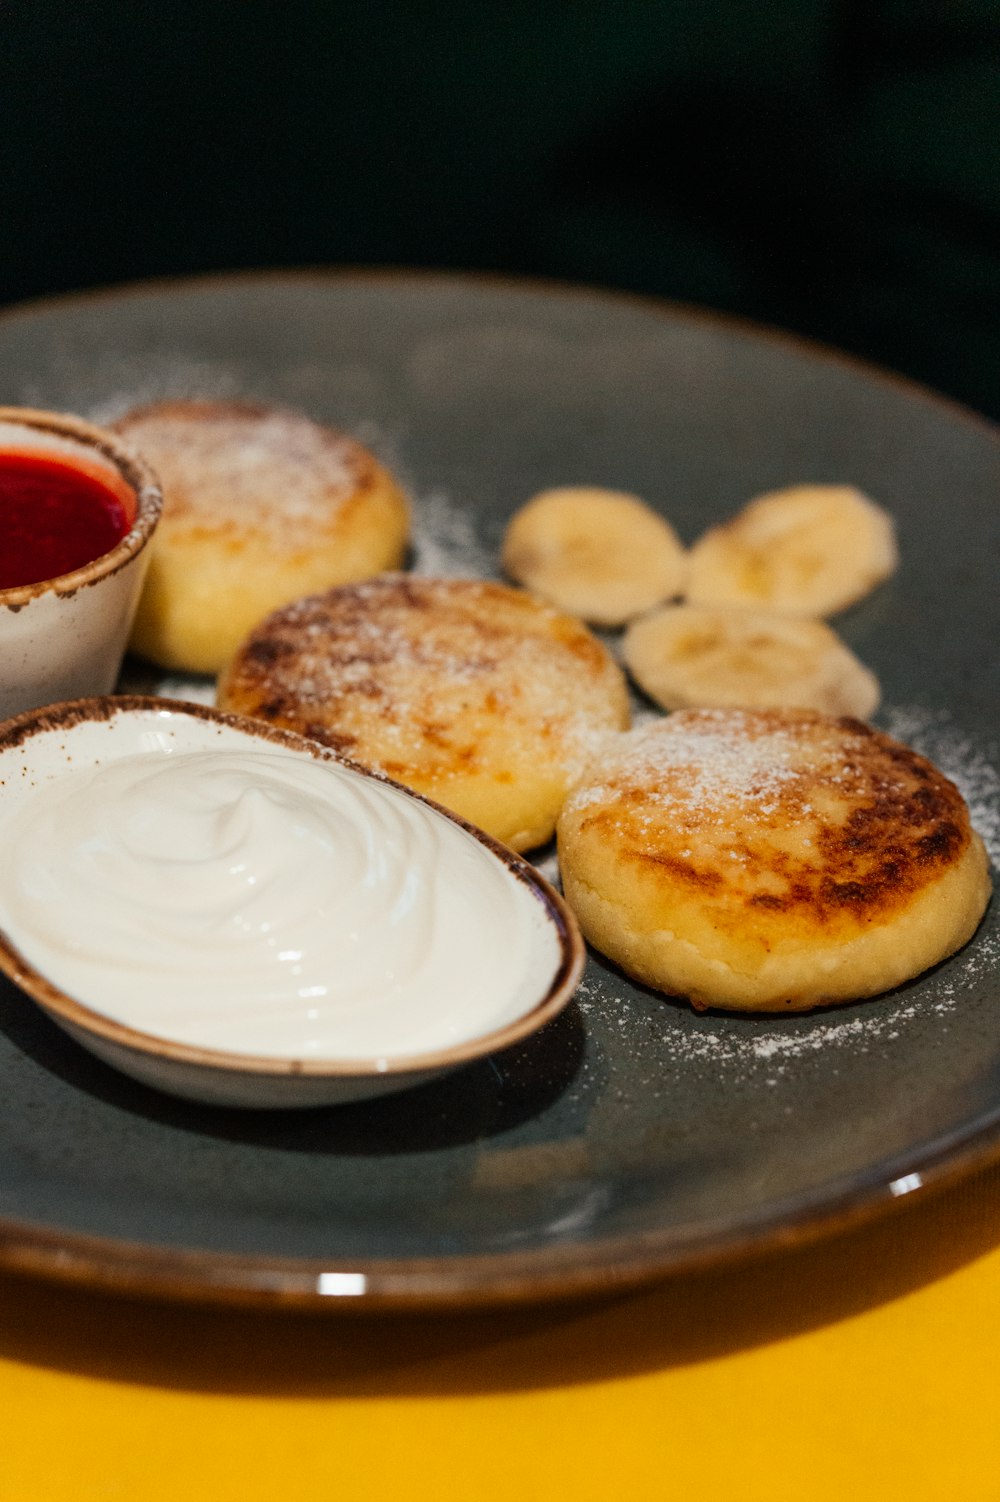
point(614, 1264)
point(656, 307)
point(148, 502)
point(54, 717)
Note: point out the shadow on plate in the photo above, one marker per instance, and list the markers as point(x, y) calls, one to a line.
point(476, 1102)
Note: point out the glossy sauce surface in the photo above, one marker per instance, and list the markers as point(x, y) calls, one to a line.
point(267, 903)
point(55, 516)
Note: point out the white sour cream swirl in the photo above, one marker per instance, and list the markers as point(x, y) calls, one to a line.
point(267, 903)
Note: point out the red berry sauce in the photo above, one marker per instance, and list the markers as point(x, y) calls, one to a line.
point(55, 516)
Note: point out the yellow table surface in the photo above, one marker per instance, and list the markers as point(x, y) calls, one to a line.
point(865, 1366)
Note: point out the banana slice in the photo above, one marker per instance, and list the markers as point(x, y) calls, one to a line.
point(714, 657)
point(809, 550)
point(598, 554)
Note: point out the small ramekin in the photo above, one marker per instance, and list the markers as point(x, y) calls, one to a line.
point(65, 638)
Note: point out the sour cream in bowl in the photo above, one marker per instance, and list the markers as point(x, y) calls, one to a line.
point(234, 914)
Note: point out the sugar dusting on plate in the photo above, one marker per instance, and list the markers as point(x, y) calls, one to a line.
point(445, 541)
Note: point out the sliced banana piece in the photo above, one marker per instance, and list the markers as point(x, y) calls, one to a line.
point(809, 550)
point(714, 657)
point(598, 554)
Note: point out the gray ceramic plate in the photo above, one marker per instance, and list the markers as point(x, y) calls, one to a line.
point(631, 1138)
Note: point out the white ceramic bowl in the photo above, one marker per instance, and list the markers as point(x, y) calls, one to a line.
point(64, 638)
point(40, 747)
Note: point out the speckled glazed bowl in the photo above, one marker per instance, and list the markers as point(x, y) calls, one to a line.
point(63, 638)
point(39, 748)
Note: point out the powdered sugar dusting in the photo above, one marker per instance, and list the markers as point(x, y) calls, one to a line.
point(767, 1048)
point(547, 863)
point(445, 544)
point(231, 467)
point(751, 1046)
point(445, 540)
point(416, 675)
point(701, 759)
point(124, 382)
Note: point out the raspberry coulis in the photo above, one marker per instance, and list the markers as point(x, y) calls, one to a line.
point(56, 516)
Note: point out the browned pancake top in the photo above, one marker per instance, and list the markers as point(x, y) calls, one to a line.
point(407, 672)
point(230, 467)
point(783, 814)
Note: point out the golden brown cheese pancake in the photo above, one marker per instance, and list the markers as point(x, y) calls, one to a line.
point(261, 506)
point(475, 694)
point(765, 860)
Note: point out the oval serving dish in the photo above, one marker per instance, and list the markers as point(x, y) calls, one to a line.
point(42, 746)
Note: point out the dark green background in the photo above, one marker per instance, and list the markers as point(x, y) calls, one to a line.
point(831, 167)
